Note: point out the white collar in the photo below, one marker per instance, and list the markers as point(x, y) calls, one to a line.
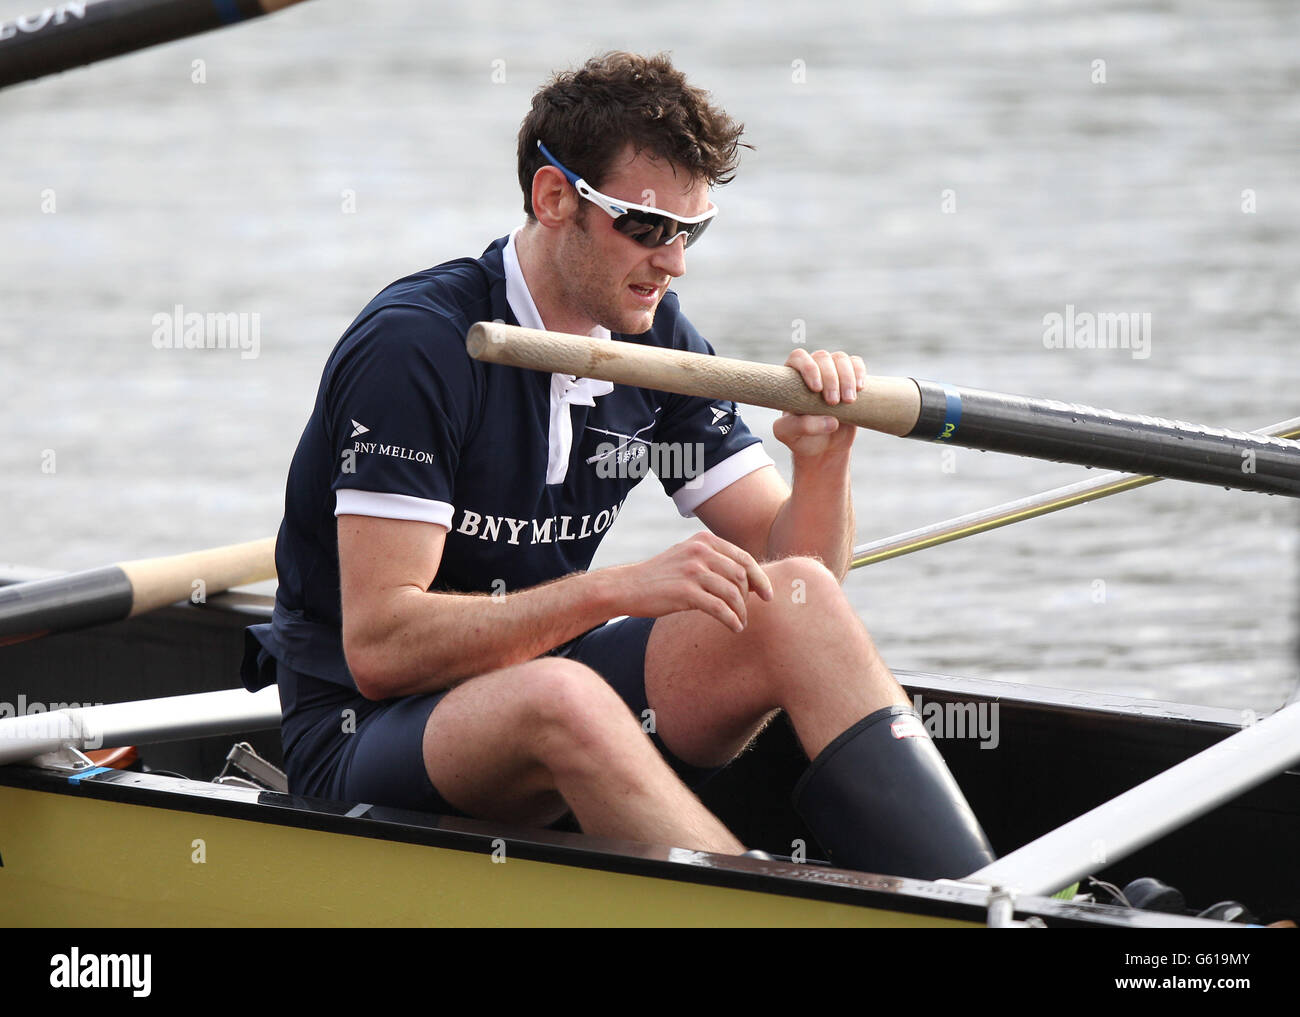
point(566, 389)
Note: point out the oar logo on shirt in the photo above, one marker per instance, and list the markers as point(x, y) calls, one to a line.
point(628, 439)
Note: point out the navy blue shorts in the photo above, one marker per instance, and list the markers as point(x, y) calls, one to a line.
point(375, 752)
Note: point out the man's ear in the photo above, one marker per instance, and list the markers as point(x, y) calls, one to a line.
point(554, 199)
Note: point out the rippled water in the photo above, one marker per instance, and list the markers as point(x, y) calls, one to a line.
point(930, 181)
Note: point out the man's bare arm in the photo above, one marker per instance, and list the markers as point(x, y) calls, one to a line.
point(762, 514)
point(817, 519)
point(399, 639)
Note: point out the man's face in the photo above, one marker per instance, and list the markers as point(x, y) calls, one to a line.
point(611, 279)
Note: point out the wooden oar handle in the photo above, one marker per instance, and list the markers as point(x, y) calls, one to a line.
point(157, 582)
point(890, 405)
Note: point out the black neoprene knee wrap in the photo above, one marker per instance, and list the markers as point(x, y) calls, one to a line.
point(880, 798)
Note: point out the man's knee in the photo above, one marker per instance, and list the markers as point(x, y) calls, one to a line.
point(568, 705)
point(798, 574)
point(804, 590)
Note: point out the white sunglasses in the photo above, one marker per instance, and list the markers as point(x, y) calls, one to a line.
point(648, 226)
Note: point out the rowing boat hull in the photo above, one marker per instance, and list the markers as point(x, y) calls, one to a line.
point(100, 857)
point(123, 848)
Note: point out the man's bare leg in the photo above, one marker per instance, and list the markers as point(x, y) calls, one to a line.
point(805, 651)
point(883, 800)
point(524, 743)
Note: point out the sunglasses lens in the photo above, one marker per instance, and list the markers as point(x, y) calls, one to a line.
point(695, 231)
point(646, 229)
point(650, 229)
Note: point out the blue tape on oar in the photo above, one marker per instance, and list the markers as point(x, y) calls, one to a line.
point(951, 413)
point(941, 410)
point(77, 778)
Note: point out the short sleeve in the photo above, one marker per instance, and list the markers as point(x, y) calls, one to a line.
point(398, 412)
point(706, 438)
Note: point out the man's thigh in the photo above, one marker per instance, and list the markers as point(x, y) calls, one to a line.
point(462, 751)
point(707, 685)
point(477, 747)
point(469, 750)
point(618, 652)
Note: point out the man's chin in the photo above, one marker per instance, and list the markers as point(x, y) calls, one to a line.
point(633, 322)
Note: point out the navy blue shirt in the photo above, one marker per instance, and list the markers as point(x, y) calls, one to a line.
point(407, 425)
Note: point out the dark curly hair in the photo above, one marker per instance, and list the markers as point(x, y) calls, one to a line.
point(585, 117)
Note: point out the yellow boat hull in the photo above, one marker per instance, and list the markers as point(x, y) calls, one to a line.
point(72, 861)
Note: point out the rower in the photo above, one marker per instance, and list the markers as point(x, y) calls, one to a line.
point(438, 639)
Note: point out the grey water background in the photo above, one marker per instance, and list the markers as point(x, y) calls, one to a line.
point(869, 120)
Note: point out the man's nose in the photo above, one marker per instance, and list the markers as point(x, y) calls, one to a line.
point(671, 258)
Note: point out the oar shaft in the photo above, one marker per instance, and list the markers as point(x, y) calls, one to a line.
point(114, 592)
point(146, 721)
point(67, 35)
point(1087, 436)
point(1041, 428)
point(992, 518)
point(1021, 509)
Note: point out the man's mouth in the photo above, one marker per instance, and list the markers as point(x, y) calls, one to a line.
point(644, 291)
